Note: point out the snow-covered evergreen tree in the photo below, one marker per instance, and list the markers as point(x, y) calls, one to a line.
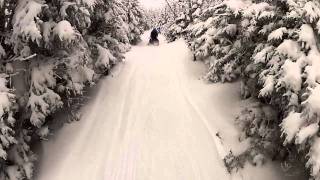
point(179, 15)
point(136, 20)
point(217, 41)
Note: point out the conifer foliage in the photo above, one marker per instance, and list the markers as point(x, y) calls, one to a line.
point(50, 50)
point(135, 20)
point(273, 46)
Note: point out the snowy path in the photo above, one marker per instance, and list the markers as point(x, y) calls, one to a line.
point(154, 119)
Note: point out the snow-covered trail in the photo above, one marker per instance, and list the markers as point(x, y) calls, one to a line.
point(154, 119)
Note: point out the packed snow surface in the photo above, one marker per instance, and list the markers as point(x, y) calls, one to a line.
point(153, 118)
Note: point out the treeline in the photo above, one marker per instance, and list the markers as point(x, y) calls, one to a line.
point(272, 46)
point(50, 50)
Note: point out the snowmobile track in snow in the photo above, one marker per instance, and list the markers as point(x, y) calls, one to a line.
point(153, 119)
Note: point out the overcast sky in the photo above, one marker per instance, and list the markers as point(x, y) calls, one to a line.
point(151, 4)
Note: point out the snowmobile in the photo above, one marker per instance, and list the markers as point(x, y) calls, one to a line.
point(154, 42)
point(154, 38)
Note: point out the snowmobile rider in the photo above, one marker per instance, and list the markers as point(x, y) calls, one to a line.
point(154, 36)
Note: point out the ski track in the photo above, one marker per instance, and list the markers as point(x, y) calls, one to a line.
point(147, 122)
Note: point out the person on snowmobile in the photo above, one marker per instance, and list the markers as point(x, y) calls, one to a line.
point(154, 37)
point(159, 30)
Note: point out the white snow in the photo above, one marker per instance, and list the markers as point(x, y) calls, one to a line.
point(292, 15)
point(262, 56)
point(42, 100)
point(153, 118)
point(268, 86)
point(290, 48)
point(306, 36)
point(313, 101)
point(6, 104)
point(314, 156)
point(266, 14)
point(277, 34)
point(291, 75)
point(47, 30)
point(312, 69)
point(291, 125)
point(24, 20)
point(256, 9)
point(79, 76)
point(235, 5)
point(104, 57)
point(312, 11)
point(64, 31)
point(318, 26)
point(306, 132)
point(90, 3)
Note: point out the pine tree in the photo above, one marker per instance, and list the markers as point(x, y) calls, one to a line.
point(166, 20)
point(186, 12)
point(135, 20)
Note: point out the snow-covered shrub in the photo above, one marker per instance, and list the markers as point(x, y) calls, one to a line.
point(233, 163)
point(7, 122)
point(214, 39)
point(178, 15)
point(43, 100)
point(286, 55)
point(105, 58)
point(21, 158)
point(64, 31)
point(259, 123)
point(136, 20)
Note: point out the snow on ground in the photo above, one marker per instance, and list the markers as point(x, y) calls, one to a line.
point(153, 119)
